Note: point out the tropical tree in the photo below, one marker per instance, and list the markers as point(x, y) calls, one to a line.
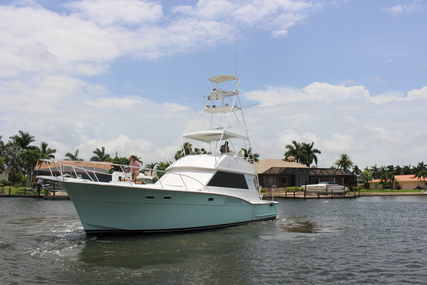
point(294, 150)
point(23, 139)
point(356, 170)
point(29, 159)
point(366, 176)
point(161, 166)
point(375, 171)
point(309, 154)
point(422, 175)
point(100, 155)
point(12, 160)
point(387, 178)
point(249, 156)
point(344, 162)
point(47, 153)
point(73, 156)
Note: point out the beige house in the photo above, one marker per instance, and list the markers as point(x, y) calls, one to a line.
point(284, 174)
point(281, 173)
point(5, 174)
point(403, 182)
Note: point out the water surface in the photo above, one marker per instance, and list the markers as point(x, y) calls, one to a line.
point(381, 240)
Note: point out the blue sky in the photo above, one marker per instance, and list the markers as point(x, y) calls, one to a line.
point(129, 75)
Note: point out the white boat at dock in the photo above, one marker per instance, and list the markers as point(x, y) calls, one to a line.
point(212, 189)
point(325, 188)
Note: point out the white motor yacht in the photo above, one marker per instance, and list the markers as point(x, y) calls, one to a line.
point(215, 187)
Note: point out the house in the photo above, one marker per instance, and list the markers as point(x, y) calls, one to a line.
point(281, 173)
point(402, 182)
point(284, 174)
point(4, 175)
point(83, 169)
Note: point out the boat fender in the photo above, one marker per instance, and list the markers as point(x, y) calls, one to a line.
point(272, 203)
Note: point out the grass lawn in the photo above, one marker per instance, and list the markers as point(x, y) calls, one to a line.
point(20, 190)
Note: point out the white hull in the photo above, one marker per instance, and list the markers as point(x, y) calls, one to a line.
point(325, 189)
point(105, 208)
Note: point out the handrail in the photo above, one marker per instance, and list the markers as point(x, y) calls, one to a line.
point(92, 174)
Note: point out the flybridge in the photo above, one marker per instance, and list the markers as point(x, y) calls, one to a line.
point(221, 119)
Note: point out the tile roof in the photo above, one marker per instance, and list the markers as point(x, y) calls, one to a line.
point(400, 178)
point(266, 164)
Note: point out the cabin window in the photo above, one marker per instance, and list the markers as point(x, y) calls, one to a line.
point(149, 197)
point(167, 197)
point(210, 199)
point(229, 180)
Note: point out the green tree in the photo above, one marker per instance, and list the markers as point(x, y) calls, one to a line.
point(12, 160)
point(356, 170)
point(100, 155)
point(344, 162)
point(73, 156)
point(48, 153)
point(294, 150)
point(422, 175)
point(249, 156)
point(375, 171)
point(150, 167)
point(309, 154)
point(366, 176)
point(387, 178)
point(29, 159)
point(187, 149)
point(162, 167)
point(23, 139)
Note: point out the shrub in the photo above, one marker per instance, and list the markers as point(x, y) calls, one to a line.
point(294, 189)
point(6, 183)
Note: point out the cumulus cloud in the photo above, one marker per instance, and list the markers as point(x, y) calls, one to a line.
point(337, 119)
point(398, 9)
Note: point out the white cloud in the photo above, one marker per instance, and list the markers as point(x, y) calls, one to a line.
point(108, 12)
point(404, 8)
point(338, 120)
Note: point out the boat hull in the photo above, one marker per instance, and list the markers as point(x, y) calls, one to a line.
point(105, 208)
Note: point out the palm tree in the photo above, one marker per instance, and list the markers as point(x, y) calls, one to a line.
point(29, 159)
point(100, 155)
point(344, 162)
point(309, 154)
point(46, 151)
point(74, 156)
point(422, 175)
point(374, 170)
point(187, 149)
point(366, 176)
point(150, 167)
point(387, 178)
point(249, 156)
point(23, 139)
point(295, 150)
point(356, 170)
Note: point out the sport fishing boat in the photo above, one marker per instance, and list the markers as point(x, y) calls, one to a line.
point(211, 186)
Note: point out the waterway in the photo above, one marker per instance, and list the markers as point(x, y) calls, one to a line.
point(367, 240)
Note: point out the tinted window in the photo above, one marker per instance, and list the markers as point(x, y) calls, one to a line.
point(230, 180)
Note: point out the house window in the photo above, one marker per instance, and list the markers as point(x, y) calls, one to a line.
point(283, 180)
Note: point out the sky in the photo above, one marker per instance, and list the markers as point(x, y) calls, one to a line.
point(130, 75)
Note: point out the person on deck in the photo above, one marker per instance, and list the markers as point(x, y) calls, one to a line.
point(224, 148)
point(133, 168)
